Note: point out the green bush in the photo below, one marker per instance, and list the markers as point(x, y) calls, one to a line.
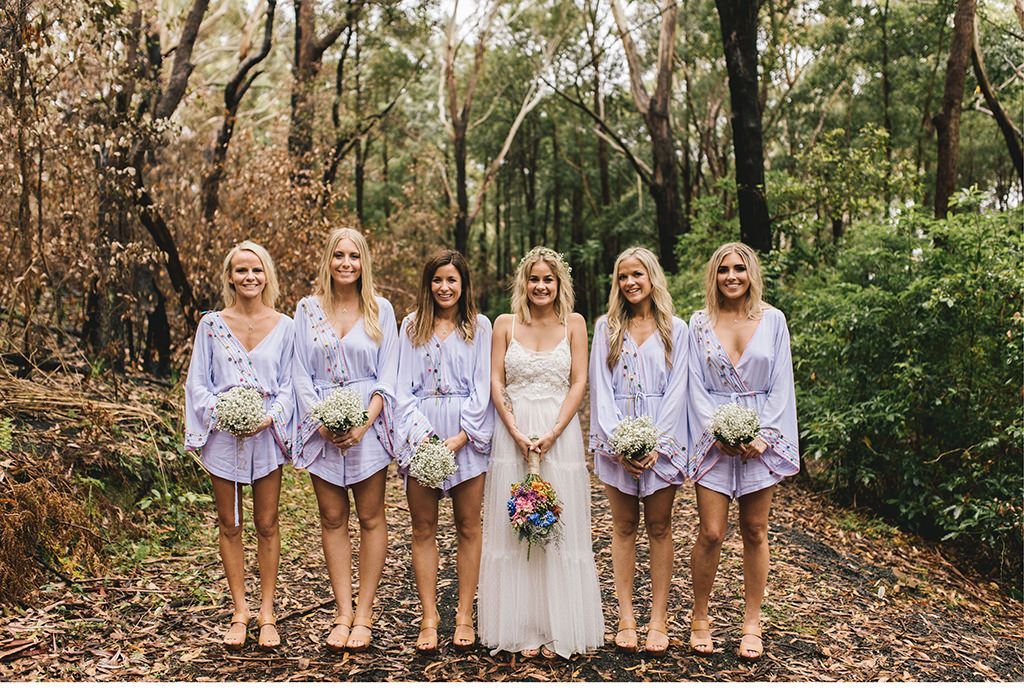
point(908, 361)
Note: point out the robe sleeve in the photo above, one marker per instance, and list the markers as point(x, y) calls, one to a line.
point(604, 414)
point(282, 406)
point(305, 392)
point(477, 417)
point(200, 400)
point(778, 416)
point(386, 425)
point(414, 427)
point(671, 420)
point(699, 406)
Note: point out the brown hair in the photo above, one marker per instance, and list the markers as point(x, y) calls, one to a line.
point(422, 325)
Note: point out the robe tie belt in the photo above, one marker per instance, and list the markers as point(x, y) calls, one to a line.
point(733, 394)
point(327, 386)
point(444, 394)
point(239, 444)
point(639, 401)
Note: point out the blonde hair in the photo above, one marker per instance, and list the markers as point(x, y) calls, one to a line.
point(422, 325)
point(565, 299)
point(753, 305)
point(271, 290)
point(620, 310)
point(364, 285)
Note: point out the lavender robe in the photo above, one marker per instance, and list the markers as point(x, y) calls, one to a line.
point(641, 383)
point(219, 363)
point(762, 381)
point(448, 383)
point(323, 363)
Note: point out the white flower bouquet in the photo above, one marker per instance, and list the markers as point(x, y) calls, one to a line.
point(634, 437)
point(735, 425)
point(239, 411)
point(432, 463)
point(341, 410)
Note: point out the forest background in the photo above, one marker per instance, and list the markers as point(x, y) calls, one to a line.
point(871, 150)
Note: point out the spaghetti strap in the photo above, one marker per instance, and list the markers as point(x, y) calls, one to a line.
point(566, 331)
point(513, 326)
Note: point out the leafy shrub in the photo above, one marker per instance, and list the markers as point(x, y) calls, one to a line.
point(908, 366)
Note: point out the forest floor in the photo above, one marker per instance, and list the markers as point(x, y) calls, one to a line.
point(848, 600)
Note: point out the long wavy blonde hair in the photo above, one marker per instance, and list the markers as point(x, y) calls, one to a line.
point(565, 299)
point(364, 285)
point(620, 310)
point(753, 305)
point(422, 325)
point(271, 290)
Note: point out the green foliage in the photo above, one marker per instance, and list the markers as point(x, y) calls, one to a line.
point(908, 360)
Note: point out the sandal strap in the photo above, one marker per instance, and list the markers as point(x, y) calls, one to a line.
point(627, 624)
point(343, 620)
point(756, 634)
point(239, 620)
point(700, 625)
point(464, 624)
point(363, 622)
point(269, 622)
point(659, 627)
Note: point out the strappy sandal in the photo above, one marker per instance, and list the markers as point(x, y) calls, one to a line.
point(269, 644)
point(462, 643)
point(365, 623)
point(656, 628)
point(427, 624)
point(529, 653)
point(626, 624)
point(755, 633)
point(547, 652)
point(231, 645)
point(342, 620)
point(696, 642)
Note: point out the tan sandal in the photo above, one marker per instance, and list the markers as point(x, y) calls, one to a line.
point(547, 652)
point(696, 642)
point(626, 624)
point(758, 651)
point(462, 642)
point(342, 620)
point(656, 628)
point(360, 645)
point(423, 646)
point(237, 645)
point(268, 644)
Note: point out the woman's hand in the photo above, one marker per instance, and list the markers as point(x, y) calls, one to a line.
point(456, 443)
point(754, 449)
point(728, 450)
point(352, 436)
point(523, 443)
point(544, 443)
point(639, 467)
point(264, 425)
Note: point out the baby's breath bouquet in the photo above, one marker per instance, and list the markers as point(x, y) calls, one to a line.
point(239, 411)
point(735, 425)
point(341, 410)
point(634, 437)
point(432, 463)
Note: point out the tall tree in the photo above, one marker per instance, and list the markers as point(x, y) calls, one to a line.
point(654, 107)
point(947, 122)
point(1011, 135)
point(738, 21)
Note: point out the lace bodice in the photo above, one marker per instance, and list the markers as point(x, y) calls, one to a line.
point(533, 375)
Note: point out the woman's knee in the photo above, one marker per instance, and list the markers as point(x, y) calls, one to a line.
point(710, 536)
point(227, 528)
point(754, 532)
point(423, 529)
point(266, 525)
point(658, 529)
point(333, 519)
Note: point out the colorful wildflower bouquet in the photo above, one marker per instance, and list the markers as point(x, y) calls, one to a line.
point(534, 509)
point(341, 410)
point(432, 463)
point(634, 437)
point(735, 425)
point(239, 411)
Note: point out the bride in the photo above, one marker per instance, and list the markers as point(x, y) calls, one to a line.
point(550, 602)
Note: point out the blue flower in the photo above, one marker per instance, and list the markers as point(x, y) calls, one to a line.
point(511, 507)
point(534, 518)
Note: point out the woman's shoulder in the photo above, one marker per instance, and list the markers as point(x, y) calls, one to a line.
point(601, 323)
point(483, 322)
point(576, 320)
point(503, 322)
point(699, 317)
point(383, 304)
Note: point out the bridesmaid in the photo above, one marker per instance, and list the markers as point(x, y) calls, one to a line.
point(345, 336)
point(739, 352)
point(638, 366)
point(248, 344)
point(444, 374)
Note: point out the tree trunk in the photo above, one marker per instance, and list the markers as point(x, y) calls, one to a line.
point(738, 20)
point(947, 122)
point(655, 108)
point(1011, 135)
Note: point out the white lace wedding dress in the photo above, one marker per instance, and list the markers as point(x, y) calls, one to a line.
point(553, 598)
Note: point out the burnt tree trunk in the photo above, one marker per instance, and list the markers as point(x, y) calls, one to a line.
point(738, 21)
point(1011, 135)
point(947, 122)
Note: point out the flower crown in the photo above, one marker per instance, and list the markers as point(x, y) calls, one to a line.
point(540, 253)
